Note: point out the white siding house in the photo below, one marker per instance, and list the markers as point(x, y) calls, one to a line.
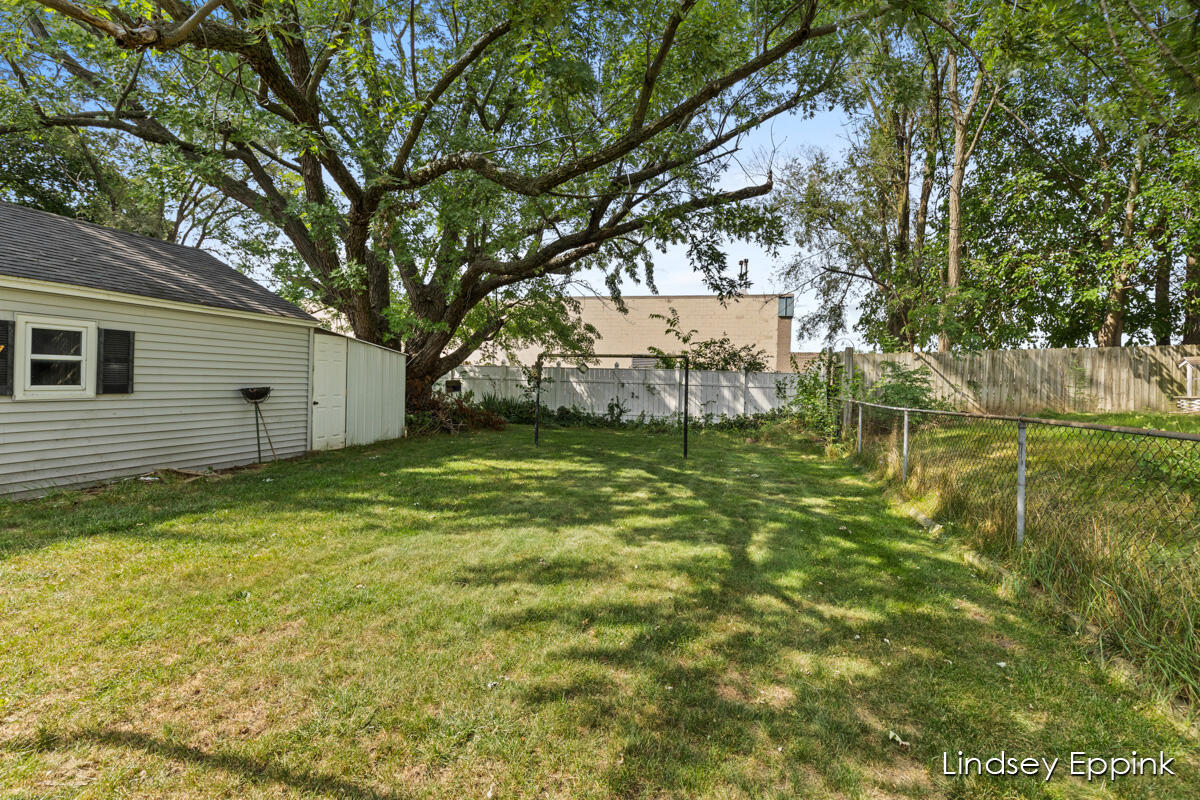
point(122, 355)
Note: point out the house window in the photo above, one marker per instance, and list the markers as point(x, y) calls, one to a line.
point(56, 358)
point(787, 306)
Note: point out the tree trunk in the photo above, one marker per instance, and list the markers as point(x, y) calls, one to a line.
point(953, 234)
point(1162, 293)
point(418, 392)
point(929, 166)
point(902, 137)
point(1191, 301)
point(1112, 329)
point(961, 116)
point(896, 325)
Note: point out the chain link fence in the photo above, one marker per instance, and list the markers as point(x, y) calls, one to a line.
point(1104, 519)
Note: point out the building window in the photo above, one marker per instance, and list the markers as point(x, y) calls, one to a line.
point(787, 306)
point(56, 359)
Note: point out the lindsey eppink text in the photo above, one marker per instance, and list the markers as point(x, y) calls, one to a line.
point(1080, 764)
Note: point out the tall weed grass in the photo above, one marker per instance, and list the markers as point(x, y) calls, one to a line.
point(1112, 523)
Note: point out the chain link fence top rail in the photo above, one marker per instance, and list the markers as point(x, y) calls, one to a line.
point(1106, 519)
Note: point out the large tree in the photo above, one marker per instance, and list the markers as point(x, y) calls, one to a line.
point(864, 223)
point(432, 164)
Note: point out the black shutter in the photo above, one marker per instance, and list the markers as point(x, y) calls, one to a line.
point(115, 368)
point(7, 327)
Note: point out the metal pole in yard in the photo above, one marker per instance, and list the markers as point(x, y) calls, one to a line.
point(847, 373)
point(686, 372)
point(829, 394)
point(1020, 483)
point(537, 411)
point(904, 463)
point(257, 434)
point(859, 429)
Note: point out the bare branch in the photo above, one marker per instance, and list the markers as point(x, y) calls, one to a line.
point(448, 77)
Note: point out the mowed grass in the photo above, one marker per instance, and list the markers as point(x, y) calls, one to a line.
point(470, 617)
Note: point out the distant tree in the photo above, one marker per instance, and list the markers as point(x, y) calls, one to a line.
point(865, 223)
point(95, 176)
point(1016, 174)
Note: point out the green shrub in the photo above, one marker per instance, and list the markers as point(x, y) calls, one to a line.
point(816, 404)
point(903, 387)
point(521, 411)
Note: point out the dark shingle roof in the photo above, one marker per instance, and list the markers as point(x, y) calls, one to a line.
point(47, 247)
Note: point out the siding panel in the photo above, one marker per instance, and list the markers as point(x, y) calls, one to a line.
point(374, 393)
point(185, 411)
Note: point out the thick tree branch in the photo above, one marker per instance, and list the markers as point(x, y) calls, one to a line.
point(157, 34)
point(533, 185)
point(533, 264)
point(439, 88)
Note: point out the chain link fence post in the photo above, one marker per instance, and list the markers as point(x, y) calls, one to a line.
point(1020, 483)
point(859, 450)
point(904, 462)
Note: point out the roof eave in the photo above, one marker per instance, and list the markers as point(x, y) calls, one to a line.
point(73, 290)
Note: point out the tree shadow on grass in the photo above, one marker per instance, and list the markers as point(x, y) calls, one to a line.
point(763, 623)
point(816, 633)
point(255, 770)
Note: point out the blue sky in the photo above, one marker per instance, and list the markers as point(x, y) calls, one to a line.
point(786, 136)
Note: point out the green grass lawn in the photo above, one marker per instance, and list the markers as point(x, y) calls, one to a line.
point(468, 617)
point(1181, 423)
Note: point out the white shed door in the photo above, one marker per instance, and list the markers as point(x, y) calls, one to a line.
point(329, 393)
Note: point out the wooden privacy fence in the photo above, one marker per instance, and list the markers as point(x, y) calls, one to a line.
point(1062, 380)
point(656, 393)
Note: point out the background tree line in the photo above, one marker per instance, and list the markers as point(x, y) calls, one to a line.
point(1018, 174)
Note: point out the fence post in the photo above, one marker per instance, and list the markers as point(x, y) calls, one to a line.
point(859, 451)
point(1020, 483)
point(745, 392)
point(904, 461)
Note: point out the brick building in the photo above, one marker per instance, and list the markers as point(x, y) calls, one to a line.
point(761, 320)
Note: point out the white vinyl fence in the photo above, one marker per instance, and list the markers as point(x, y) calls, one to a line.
point(656, 393)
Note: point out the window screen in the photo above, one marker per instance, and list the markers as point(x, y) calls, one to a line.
point(6, 356)
point(115, 365)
